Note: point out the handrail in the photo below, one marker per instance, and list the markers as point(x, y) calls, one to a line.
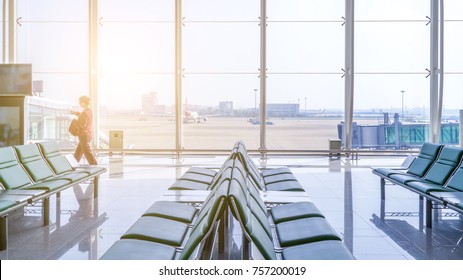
point(276, 152)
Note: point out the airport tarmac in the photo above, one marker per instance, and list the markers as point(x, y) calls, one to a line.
point(223, 132)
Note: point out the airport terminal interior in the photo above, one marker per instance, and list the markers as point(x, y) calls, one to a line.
point(346, 192)
point(232, 129)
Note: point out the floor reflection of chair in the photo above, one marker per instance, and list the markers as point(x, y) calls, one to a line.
point(440, 242)
point(54, 240)
point(420, 214)
point(80, 221)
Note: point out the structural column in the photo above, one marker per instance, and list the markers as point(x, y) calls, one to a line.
point(93, 23)
point(263, 74)
point(9, 32)
point(349, 74)
point(178, 76)
point(436, 71)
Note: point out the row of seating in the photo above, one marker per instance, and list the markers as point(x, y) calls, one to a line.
point(277, 179)
point(172, 230)
point(436, 174)
point(35, 172)
point(294, 231)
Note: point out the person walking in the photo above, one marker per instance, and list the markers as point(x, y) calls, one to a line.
point(85, 124)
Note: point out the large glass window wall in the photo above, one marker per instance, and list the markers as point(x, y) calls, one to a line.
point(221, 52)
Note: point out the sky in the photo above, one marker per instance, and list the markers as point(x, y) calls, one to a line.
point(221, 60)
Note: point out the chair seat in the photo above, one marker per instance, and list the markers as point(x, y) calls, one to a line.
point(181, 212)
point(426, 187)
point(322, 250)
point(74, 176)
point(18, 198)
point(5, 204)
point(403, 178)
point(276, 171)
point(202, 171)
point(188, 185)
point(31, 193)
point(133, 249)
point(91, 169)
point(285, 186)
point(51, 185)
point(386, 172)
point(294, 211)
point(306, 230)
point(194, 177)
point(155, 229)
point(279, 178)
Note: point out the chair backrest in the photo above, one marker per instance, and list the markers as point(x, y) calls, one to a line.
point(253, 204)
point(207, 219)
point(251, 168)
point(55, 159)
point(240, 172)
point(407, 162)
point(443, 167)
point(224, 172)
point(37, 168)
point(456, 179)
point(250, 224)
point(425, 159)
point(12, 175)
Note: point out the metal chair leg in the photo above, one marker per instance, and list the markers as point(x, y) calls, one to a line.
point(428, 213)
point(46, 211)
point(3, 233)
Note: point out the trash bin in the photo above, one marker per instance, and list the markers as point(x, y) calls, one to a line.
point(334, 144)
point(116, 140)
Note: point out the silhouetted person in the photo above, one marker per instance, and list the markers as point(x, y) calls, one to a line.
point(85, 122)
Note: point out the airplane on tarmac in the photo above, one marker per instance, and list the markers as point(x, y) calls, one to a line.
point(194, 117)
point(191, 116)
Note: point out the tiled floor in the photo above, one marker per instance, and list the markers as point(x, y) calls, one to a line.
point(345, 191)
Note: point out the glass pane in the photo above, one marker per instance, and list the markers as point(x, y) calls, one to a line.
point(453, 97)
point(141, 105)
point(303, 110)
point(136, 48)
point(453, 46)
point(383, 100)
point(52, 10)
point(62, 86)
point(452, 9)
point(136, 10)
point(300, 10)
point(221, 10)
point(305, 47)
point(391, 47)
point(384, 92)
point(221, 47)
point(54, 47)
point(227, 103)
point(392, 9)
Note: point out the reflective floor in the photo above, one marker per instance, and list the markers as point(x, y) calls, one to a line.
point(346, 192)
